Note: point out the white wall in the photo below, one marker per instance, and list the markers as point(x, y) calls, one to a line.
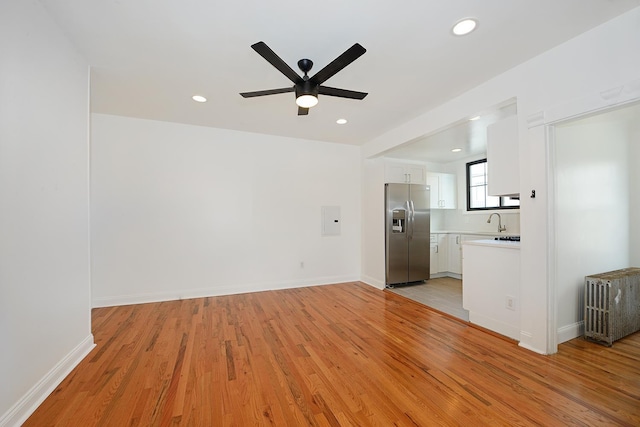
point(592, 202)
point(44, 250)
point(599, 60)
point(373, 226)
point(183, 211)
point(634, 191)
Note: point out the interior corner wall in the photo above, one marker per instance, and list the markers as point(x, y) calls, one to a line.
point(45, 303)
point(182, 211)
point(373, 214)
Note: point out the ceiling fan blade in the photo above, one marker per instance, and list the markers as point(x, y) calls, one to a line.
point(303, 111)
point(271, 57)
point(350, 55)
point(267, 92)
point(342, 93)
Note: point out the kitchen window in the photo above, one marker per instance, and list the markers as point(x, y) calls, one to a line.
point(477, 197)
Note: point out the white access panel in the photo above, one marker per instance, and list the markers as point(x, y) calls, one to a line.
point(330, 220)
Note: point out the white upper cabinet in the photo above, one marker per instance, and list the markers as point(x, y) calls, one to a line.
point(503, 171)
point(405, 173)
point(443, 190)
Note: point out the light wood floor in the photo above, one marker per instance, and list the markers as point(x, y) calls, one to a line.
point(345, 354)
point(443, 294)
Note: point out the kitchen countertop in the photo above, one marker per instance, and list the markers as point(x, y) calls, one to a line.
point(494, 243)
point(478, 233)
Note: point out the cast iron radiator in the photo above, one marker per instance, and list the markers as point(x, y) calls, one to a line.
point(612, 305)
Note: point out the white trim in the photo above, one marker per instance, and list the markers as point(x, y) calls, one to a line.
point(597, 102)
point(89, 194)
point(535, 119)
point(531, 348)
point(498, 326)
point(24, 407)
point(372, 282)
point(525, 337)
point(552, 269)
point(570, 332)
point(179, 294)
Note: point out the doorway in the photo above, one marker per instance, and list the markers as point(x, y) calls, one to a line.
point(596, 186)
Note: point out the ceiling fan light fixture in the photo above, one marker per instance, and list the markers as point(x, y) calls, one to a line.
point(464, 26)
point(306, 101)
point(307, 88)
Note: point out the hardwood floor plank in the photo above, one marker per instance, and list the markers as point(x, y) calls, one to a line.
point(338, 355)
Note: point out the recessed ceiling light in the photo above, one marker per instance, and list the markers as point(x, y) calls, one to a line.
point(199, 98)
point(474, 118)
point(341, 121)
point(464, 26)
point(456, 150)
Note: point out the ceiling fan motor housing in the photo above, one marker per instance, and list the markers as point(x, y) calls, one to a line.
point(307, 88)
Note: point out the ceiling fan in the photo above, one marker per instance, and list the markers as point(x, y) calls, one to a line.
point(308, 88)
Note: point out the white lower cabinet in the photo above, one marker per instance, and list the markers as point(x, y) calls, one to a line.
point(438, 254)
point(434, 267)
point(455, 254)
point(467, 238)
point(443, 256)
point(446, 258)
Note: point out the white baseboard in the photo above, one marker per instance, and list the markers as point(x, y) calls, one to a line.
point(19, 412)
point(569, 332)
point(380, 284)
point(495, 325)
point(526, 339)
point(445, 274)
point(372, 282)
point(531, 348)
point(178, 294)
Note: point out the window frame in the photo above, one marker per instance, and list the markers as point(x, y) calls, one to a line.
point(468, 189)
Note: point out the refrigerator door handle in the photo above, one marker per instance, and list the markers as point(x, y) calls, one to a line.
point(412, 216)
point(409, 224)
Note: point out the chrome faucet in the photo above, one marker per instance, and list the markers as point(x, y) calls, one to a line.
point(500, 227)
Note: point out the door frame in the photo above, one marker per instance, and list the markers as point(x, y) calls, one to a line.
point(546, 120)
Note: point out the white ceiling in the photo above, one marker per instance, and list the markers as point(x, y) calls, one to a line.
point(149, 57)
point(470, 136)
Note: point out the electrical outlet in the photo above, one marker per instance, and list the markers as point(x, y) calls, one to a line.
point(510, 303)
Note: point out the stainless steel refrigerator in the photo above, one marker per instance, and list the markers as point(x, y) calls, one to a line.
point(408, 222)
